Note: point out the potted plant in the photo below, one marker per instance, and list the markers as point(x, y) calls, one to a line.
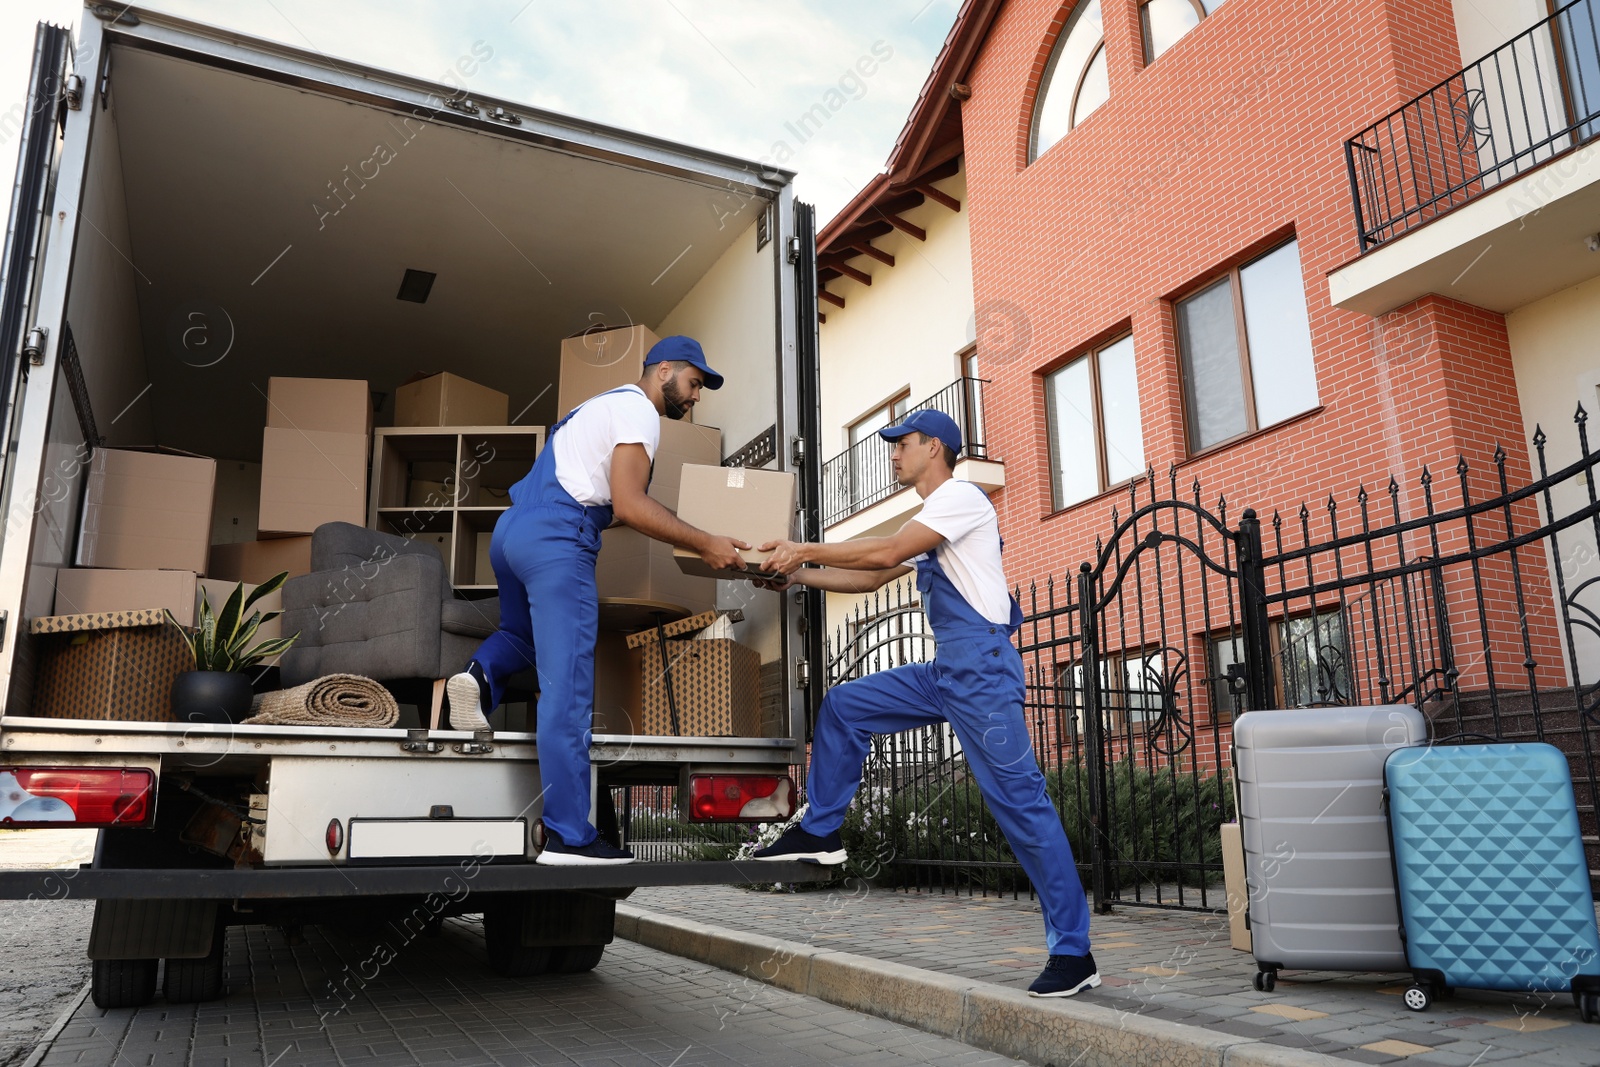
point(216, 691)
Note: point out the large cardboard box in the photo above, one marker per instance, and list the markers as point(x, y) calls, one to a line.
point(256, 561)
point(92, 591)
point(320, 405)
point(600, 359)
point(445, 399)
point(635, 567)
point(114, 665)
point(618, 685)
point(309, 477)
point(1233, 881)
point(716, 684)
point(754, 506)
point(147, 511)
point(681, 443)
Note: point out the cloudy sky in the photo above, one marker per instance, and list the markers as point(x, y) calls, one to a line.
point(721, 74)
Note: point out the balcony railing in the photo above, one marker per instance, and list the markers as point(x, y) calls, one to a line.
point(1528, 101)
point(862, 475)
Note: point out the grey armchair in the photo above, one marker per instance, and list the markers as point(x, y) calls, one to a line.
point(382, 606)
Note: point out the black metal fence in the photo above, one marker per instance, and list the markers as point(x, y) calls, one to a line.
point(862, 475)
point(1528, 101)
point(1470, 599)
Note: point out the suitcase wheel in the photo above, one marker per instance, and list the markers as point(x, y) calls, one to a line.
point(1419, 997)
point(1266, 981)
point(1588, 1007)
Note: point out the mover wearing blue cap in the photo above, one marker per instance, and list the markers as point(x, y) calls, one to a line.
point(595, 467)
point(975, 683)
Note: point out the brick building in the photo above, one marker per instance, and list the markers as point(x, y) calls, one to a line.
point(1169, 275)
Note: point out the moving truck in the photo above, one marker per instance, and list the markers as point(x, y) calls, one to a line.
point(197, 211)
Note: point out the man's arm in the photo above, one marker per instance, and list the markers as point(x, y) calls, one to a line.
point(836, 579)
point(630, 475)
point(862, 554)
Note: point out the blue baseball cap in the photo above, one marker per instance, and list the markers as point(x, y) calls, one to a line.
point(929, 422)
point(689, 351)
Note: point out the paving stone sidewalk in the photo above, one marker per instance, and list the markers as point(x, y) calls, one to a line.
point(1176, 966)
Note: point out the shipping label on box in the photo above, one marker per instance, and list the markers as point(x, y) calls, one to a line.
point(257, 561)
point(601, 359)
point(320, 405)
point(147, 511)
point(681, 443)
point(113, 665)
point(445, 399)
point(309, 478)
point(86, 591)
point(715, 684)
point(754, 506)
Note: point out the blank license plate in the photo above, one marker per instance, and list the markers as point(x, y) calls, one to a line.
point(485, 839)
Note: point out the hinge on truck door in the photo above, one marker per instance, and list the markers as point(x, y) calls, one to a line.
point(794, 250)
point(73, 91)
point(33, 345)
point(802, 673)
point(797, 450)
point(417, 741)
point(482, 744)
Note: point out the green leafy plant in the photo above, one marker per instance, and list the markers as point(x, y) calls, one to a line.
point(221, 642)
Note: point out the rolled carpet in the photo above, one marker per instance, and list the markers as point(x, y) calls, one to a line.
point(332, 700)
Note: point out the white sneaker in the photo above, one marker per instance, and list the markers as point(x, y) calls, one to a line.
point(466, 697)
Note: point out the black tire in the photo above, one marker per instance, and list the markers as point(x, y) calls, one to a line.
point(1589, 1008)
point(575, 959)
point(123, 983)
point(502, 937)
point(191, 981)
point(1266, 981)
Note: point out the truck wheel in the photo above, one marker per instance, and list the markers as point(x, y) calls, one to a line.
point(575, 959)
point(502, 936)
point(123, 983)
point(193, 980)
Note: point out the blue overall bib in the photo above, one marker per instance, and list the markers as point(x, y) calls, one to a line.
point(543, 552)
point(975, 684)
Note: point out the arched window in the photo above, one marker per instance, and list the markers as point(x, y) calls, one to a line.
point(1075, 81)
point(1165, 21)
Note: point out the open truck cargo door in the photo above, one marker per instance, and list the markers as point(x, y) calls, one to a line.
point(808, 384)
point(37, 266)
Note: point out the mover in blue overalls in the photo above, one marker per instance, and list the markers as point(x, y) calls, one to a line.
point(595, 466)
point(974, 683)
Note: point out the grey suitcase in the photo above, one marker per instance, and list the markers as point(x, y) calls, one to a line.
point(1316, 839)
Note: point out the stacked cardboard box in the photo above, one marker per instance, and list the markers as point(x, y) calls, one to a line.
point(147, 511)
point(714, 682)
point(600, 359)
point(443, 399)
point(112, 665)
point(314, 454)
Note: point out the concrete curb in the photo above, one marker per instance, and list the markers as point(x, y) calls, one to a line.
point(986, 1016)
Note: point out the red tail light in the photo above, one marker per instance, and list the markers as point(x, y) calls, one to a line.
point(76, 796)
point(753, 797)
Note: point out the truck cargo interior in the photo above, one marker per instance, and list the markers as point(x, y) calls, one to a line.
point(236, 227)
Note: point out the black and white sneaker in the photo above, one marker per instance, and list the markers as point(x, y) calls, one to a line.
point(1065, 975)
point(468, 693)
point(597, 853)
point(796, 844)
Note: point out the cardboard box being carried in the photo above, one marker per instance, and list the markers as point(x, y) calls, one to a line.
point(147, 511)
point(321, 405)
point(600, 359)
point(444, 399)
point(92, 591)
point(754, 506)
point(256, 561)
point(681, 443)
point(115, 665)
point(309, 477)
point(635, 567)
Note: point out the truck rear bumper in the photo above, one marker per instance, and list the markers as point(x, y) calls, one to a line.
point(370, 881)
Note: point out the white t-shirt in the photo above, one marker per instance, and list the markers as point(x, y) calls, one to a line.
point(584, 445)
point(960, 512)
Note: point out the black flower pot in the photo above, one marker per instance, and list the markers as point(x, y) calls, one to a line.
point(211, 696)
